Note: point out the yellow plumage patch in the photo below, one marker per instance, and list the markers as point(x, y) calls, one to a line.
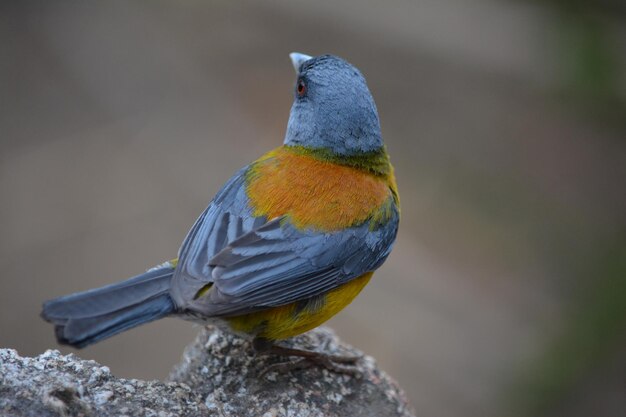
point(287, 321)
point(315, 193)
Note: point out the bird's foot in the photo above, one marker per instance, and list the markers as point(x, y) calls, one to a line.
point(343, 364)
point(337, 364)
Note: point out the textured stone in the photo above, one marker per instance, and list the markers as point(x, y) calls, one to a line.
point(219, 375)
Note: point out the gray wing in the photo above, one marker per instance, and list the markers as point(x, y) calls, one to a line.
point(277, 264)
point(227, 217)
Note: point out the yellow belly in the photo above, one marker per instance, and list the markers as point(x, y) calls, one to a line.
point(290, 320)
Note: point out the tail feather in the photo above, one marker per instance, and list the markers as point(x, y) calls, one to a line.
point(85, 318)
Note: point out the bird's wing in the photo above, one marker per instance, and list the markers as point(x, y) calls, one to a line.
point(227, 218)
point(277, 264)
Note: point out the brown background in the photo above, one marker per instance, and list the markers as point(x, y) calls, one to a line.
point(119, 120)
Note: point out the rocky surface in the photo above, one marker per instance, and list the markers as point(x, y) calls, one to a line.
point(218, 376)
point(52, 384)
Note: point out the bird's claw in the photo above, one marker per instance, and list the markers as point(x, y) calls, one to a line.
point(335, 363)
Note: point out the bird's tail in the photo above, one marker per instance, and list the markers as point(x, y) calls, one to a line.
point(88, 317)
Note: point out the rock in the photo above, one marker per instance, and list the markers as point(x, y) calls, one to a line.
point(219, 376)
point(222, 368)
point(56, 385)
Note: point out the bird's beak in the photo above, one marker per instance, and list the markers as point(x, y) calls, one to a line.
point(297, 59)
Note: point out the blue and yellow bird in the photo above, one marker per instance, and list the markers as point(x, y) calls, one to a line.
point(289, 240)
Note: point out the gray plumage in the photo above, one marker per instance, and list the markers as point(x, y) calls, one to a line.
point(337, 112)
point(85, 318)
point(270, 264)
point(232, 262)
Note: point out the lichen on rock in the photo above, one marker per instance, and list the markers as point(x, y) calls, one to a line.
point(219, 375)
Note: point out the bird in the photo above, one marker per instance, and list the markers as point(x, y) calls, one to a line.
point(288, 241)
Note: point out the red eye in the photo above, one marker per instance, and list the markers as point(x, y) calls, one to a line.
point(301, 88)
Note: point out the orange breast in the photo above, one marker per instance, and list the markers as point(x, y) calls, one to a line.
point(312, 192)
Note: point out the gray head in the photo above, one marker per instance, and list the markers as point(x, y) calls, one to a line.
point(332, 109)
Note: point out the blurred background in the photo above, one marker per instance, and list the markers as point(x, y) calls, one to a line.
point(505, 119)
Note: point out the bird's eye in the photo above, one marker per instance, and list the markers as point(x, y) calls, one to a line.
point(301, 88)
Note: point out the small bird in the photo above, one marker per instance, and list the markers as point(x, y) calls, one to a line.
point(289, 240)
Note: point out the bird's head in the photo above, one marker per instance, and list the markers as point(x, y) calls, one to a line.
point(333, 110)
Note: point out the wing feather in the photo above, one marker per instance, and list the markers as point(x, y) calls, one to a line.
point(253, 263)
point(227, 218)
point(277, 264)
